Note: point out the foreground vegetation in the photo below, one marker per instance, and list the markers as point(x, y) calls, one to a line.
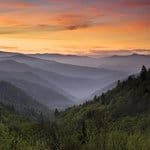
point(116, 120)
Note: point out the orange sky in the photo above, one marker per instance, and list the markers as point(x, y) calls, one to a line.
point(75, 27)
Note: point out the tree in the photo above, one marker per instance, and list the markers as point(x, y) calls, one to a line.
point(103, 99)
point(83, 133)
point(143, 73)
point(118, 83)
point(41, 119)
point(56, 113)
point(131, 78)
point(95, 98)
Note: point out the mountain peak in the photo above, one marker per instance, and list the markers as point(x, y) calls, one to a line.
point(130, 55)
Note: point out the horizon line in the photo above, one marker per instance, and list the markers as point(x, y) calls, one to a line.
point(96, 53)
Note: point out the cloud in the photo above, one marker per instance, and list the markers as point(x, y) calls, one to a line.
point(7, 32)
point(73, 21)
point(16, 5)
point(75, 27)
point(135, 3)
point(28, 29)
point(8, 47)
point(101, 52)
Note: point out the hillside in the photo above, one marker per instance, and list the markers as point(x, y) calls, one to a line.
point(30, 76)
point(129, 97)
point(117, 120)
point(20, 101)
point(17, 133)
point(44, 95)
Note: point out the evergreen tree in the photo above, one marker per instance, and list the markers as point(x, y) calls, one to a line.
point(103, 99)
point(143, 73)
point(95, 98)
point(56, 113)
point(83, 133)
point(41, 117)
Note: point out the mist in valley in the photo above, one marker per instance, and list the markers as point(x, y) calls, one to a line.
point(61, 81)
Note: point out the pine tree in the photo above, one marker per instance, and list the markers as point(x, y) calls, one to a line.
point(56, 113)
point(95, 98)
point(118, 83)
point(143, 73)
point(41, 119)
point(103, 99)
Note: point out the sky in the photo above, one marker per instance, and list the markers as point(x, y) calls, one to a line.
point(74, 26)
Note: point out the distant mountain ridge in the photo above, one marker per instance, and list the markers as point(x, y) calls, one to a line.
point(69, 82)
point(74, 80)
point(128, 63)
point(131, 55)
point(58, 55)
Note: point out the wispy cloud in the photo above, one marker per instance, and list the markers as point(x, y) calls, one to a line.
point(135, 3)
point(8, 47)
point(80, 23)
point(16, 4)
point(119, 52)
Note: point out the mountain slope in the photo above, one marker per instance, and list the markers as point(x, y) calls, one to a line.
point(72, 88)
point(18, 133)
point(44, 95)
point(20, 71)
point(128, 97)
point(20, 101)
point(118, 119)
point(99, 92)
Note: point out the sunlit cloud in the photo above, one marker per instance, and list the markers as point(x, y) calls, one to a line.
point(123, 52)
point(136, 3)
point(8, 47)
point(80, 24)
point(16, 5)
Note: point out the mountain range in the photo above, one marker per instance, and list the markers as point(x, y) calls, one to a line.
point(58, 84)
point(115, 62)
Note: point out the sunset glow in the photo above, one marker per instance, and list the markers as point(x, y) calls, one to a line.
point(74, 26)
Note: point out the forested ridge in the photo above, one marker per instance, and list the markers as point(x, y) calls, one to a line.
point(22, 103)
point(117, 120)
